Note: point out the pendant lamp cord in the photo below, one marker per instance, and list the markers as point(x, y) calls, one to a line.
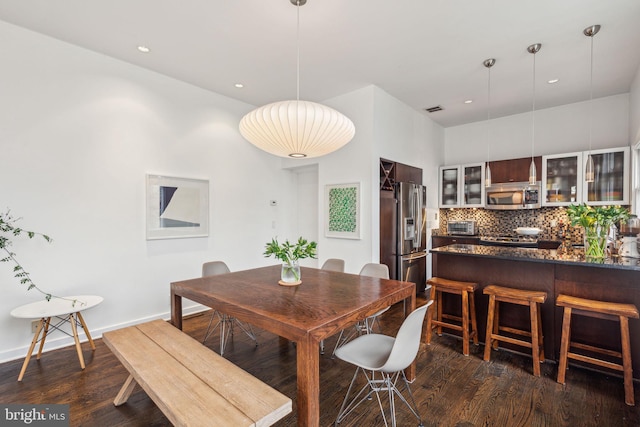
point(533, 109)
point(298, 54)
point(591, 97)
point(488, 113)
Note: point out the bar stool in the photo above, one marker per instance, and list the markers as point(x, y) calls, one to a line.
point(465, 290)
point(601, 310)
point(529, 298)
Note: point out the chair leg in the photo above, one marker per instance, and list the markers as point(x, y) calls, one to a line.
point(535, 341)
point(487, 340)
point(465, 323)
point(564, 344)
point(474, 323)
point(626, 361)
point(429, 328)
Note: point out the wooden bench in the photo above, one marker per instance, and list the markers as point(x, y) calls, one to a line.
point(191, 384)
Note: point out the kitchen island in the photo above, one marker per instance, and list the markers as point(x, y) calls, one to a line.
point(555, 272)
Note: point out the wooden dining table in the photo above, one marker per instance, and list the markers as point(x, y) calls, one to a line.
point(325, 303)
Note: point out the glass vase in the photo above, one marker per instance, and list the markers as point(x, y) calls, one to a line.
point(595, 242)
point(291, 273)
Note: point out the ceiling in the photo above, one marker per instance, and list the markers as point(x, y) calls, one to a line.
point(424, 52)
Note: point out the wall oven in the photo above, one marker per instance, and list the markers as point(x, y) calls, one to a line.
point(513, 195)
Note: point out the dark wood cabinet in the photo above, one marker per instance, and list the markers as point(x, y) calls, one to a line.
point(437, 241)
point(514, 170)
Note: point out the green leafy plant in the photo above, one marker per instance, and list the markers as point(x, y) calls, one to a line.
point(290, 253)
point(596, 222)
point(8, 231)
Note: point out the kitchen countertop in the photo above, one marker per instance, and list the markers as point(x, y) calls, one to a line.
point(572, 256)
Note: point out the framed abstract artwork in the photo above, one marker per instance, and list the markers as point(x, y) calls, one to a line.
point(342, 211)
point(177, 207)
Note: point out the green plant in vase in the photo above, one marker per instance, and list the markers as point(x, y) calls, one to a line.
point(596, 221)
point(289, 254)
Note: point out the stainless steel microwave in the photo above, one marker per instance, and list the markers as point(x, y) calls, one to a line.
point(513, 195)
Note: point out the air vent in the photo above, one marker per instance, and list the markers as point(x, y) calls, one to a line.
point(434, 109)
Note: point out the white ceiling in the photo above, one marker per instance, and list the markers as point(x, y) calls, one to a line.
point(423, 52)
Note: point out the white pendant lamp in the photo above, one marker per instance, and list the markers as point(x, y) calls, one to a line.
point(589, 173)
point(487, 172)
point(533, 49)
point(296, 128)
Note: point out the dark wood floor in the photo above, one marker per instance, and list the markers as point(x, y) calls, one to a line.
point(451, 389)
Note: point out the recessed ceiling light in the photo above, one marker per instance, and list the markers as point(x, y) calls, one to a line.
point(552, 81)
point(144, 49)
point(468, 101)
point(239, 85)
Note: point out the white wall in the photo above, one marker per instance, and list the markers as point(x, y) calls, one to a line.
point(561, 129)
point(634, 109)
point(78, 133)
point(385, 127)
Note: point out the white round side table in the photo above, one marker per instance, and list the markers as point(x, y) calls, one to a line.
point(65, 309)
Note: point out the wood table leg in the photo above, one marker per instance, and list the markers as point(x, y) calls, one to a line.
point(308, 366)
point(86, 331)
point(74, 328)
point(44, 336)
point(410, 372)
point(33, 344)
point(125, 391)
point(176, 310)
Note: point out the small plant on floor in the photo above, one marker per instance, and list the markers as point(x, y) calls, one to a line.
point(9, 230)
point(290, 253)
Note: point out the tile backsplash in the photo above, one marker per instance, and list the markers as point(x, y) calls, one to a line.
point(494, 222)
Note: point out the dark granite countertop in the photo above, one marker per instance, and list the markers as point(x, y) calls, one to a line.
point(572, 256)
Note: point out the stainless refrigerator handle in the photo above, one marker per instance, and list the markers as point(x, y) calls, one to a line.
point(416, 255)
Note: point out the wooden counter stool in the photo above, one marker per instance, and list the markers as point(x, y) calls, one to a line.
point(601, 310)
point(529, 298)
point(465, 290)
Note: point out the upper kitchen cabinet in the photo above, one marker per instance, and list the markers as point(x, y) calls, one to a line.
point(611, 183)
point(449, 186)
point(462, 186)
point(562, 177)
point(392, 172)
point(513, 170)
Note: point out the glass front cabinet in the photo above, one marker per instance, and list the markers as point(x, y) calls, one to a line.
point(611, 183)
point(462, 186)
point(562, 179)
point(449, 186)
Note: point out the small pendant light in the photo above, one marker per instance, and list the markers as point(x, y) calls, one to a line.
point(589, 173)
point(533, 49)
point(487, 172)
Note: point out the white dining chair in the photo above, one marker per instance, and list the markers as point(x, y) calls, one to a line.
point(382, 360)
point(225, 322)
point(366, 326)
point(333, 264)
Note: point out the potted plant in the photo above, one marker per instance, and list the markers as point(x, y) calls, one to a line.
point(9, 230)
point(596, 222)
point(289, 254)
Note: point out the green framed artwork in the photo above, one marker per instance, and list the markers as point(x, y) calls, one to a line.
point(342, 211)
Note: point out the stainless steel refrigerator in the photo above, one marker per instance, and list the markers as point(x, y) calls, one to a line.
point(411, 233)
